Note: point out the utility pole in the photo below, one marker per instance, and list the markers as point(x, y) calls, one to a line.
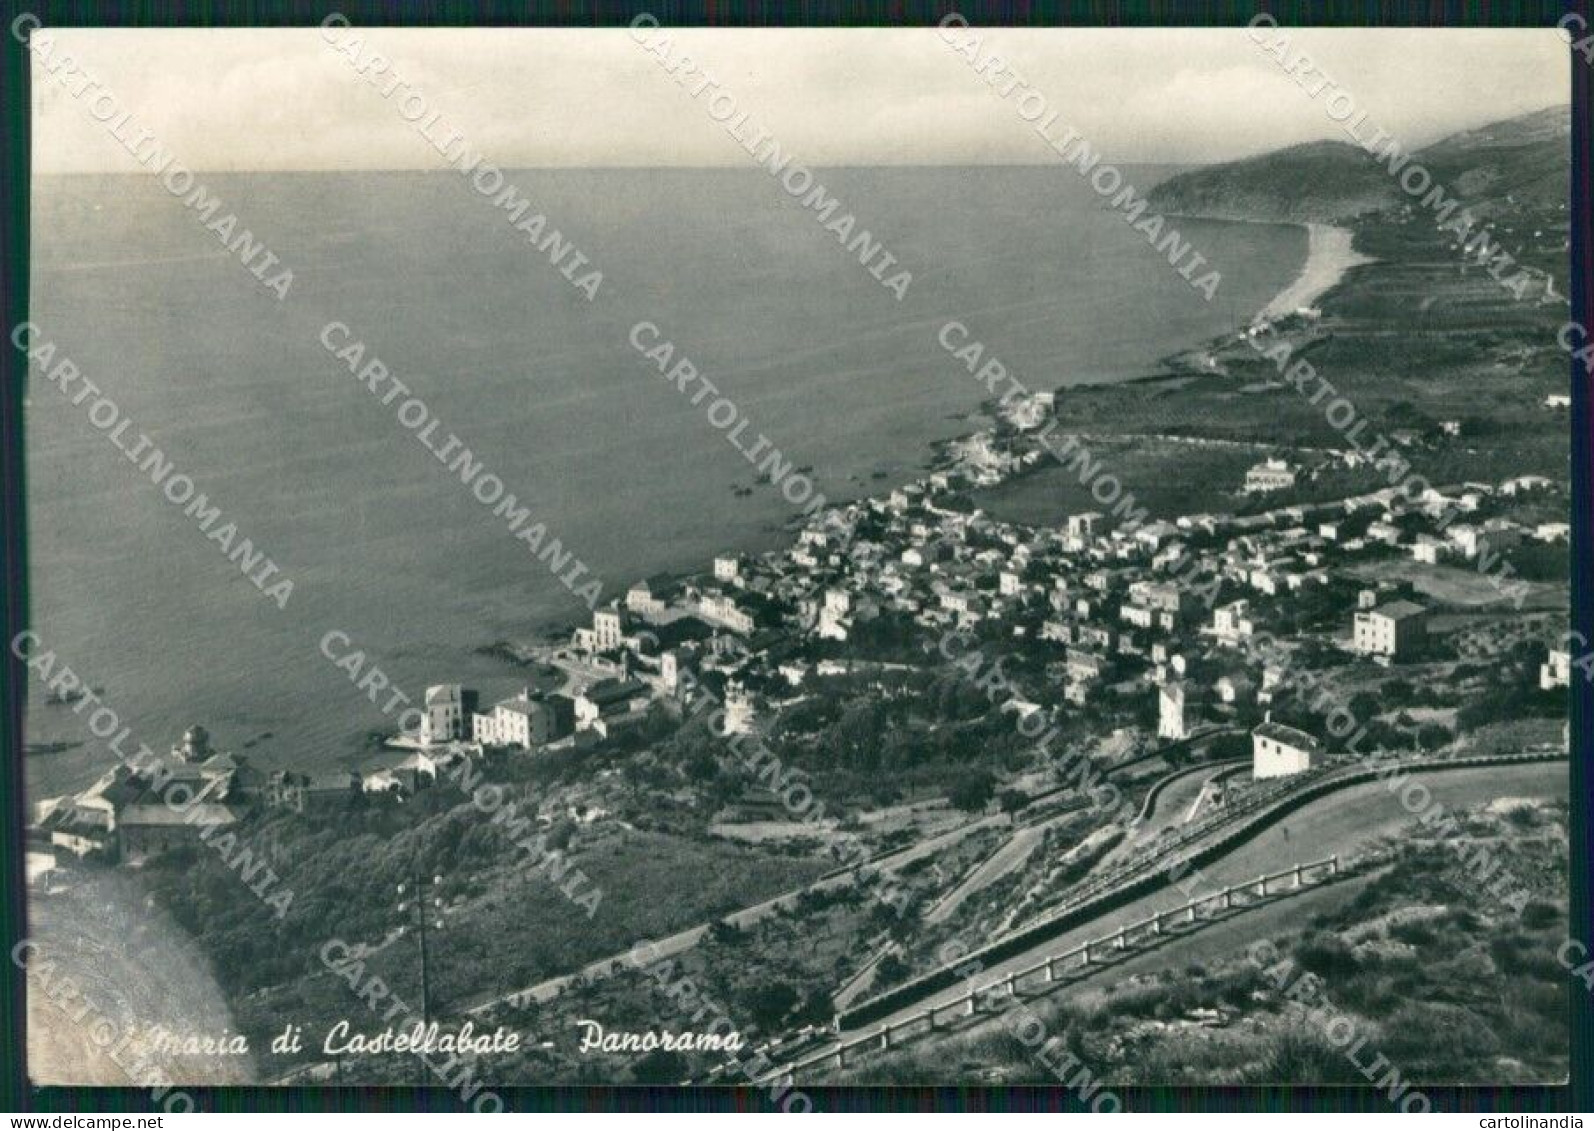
point(421, 884)
point(422, 910)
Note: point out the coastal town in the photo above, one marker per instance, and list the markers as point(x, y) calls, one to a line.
point(1140, 646)
point(980, 712)
point(1155, 627)
point(1131, 619)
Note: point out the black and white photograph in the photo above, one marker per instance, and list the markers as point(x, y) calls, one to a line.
point(759, 560)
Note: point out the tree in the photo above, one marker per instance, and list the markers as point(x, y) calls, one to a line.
point(768, 1005)
point(972, 791)
point(817, 1008)
point(560, 835)
point(1226, 746)
point(1432, 736)
point(1398, 693)
point(1365, 706)
point(890, 970)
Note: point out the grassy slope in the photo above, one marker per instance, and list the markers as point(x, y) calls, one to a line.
point(506, 925)
point(1415, 338)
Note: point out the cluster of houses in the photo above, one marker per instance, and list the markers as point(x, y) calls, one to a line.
point(141, 808)
point(1129, 609)
point(1129, 614)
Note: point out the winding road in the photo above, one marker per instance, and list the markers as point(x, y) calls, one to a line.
point(1342, 822)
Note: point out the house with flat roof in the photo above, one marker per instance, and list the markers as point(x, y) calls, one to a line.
point(525, 722)
point(1270, 475)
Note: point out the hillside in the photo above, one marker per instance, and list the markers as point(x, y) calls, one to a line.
point(1523, 158)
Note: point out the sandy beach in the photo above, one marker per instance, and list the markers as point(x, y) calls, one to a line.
point(1328, 256)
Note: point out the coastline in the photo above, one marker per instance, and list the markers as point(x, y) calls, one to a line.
point(1329, 254)
point(519, 644)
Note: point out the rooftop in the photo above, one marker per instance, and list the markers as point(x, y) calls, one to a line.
point(1278, 732)
point(163, 815)
point(613, 691)
point(1399, 610)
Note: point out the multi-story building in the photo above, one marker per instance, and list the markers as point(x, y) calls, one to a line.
point(740, 710)
point(608, 629)
point(525, 721)
point(1232, 622)
point(1171, 722)
point(446, 714)
point(608, 698)
point(1391, 631)
point(650, 598)
point(721, 609)
point(1086, 525)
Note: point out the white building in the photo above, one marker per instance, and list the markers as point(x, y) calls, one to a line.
point(507, 724)
point(523, 722)
point(739, 709)
point(1278, 751)
point(1085, 525)
point(1270, 475)
point(1138, 615)
point(608, 630)
point(650, 598)
point(609, 698)
point(1428, 549)
point(835, 616)
point(1232, 622)
point(721, 609)
point(670, 671)
point(1171, 722)
point(444, 717)
point(1390, 631)
point(1556, 671)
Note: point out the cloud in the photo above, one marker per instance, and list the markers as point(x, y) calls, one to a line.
point(284, 99)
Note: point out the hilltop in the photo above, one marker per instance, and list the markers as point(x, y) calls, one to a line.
point(1517, 161)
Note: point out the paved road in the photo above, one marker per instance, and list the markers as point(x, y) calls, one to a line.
point(1213, 939)
point(1175, 792)
point(1342, 822)
point(1170, 809)
point(1011, 854)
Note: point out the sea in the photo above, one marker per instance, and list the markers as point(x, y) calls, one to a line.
point(380, 541)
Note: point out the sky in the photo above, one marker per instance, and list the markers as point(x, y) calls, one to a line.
point(252, 99)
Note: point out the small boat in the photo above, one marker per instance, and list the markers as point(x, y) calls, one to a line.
point(57, 698)
point(49, 747)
